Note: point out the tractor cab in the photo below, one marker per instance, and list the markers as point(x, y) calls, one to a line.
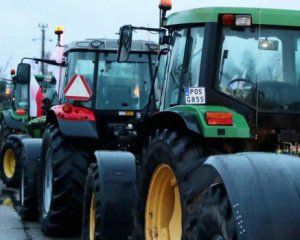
point(104, 84)
point(246, 60)
point(117, 94)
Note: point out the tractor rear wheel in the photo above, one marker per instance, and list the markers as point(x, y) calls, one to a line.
point(63, 171)
point(91, 218)
point(215, 216)
point(168, 193)
point(11, 162)
point(5, 132)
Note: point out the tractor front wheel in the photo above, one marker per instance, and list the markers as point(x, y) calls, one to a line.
point(215, 216)
point(91, 216)
point(11, 162)
point(168, 193)
point(63, 171)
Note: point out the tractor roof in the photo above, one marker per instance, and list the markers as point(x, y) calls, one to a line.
point(263, 16)
point(110, 45)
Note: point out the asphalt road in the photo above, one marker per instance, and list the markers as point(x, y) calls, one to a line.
point(11, 225)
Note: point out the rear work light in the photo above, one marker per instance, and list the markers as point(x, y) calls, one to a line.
point(219, 118)
point(243, 20)
point(231, 20)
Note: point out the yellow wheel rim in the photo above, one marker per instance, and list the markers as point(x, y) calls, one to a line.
point(9, 163)
point(92, 218)
point(163, 206)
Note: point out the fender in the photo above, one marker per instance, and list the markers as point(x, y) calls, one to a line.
point(32, 150)
point(18, 137)
point(12, 123)
point(263, 189)
point(192, 117)
point(117, 175)
point(179, 120)
point(80, 123)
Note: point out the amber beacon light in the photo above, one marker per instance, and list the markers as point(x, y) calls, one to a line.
point(165, 5)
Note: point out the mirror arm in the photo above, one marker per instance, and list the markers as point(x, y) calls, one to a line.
point(159, 30)
point(51, 62)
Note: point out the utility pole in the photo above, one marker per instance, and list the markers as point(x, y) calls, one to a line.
point(43, 27)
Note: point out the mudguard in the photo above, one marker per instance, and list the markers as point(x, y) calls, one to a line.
point(32, 148)
point(80, 124)
point(192, 117)
point(117, 175)
point(31, 154)
point(12, 123)
point(18, 137)
point(263, 189)
point(78, 129)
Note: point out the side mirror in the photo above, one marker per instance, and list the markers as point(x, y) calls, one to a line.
point(124, 43)
point(23, 73)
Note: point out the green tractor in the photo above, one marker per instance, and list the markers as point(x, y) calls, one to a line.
point(102, 104)
point(5, 93)
point(220, 158)
point(19, 122)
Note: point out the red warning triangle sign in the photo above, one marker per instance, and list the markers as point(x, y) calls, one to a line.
point(78, 89)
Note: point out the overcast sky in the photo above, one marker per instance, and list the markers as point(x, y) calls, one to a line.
point(82, 19)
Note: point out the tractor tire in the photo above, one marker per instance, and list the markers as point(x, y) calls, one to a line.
point(168, 190)
point(63, 170)
point(11, 163)
point(91, 218)
point(28, 191)
point(5, 132)
point(215, 216)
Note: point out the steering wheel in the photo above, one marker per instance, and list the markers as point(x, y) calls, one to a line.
point(240, 81)
point(239, 87)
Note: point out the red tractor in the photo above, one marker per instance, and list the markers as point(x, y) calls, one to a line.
point(102, 104)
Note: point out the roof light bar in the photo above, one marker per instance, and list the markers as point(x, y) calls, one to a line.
point(231, 20)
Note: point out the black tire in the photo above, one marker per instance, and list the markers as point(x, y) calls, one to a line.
point(215, 216)
point(11, 175)
point(5, 132)
point(91, 190)
point(28, 190)
point(184, 154)
point(68, 165)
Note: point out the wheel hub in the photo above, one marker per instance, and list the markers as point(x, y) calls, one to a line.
point(9, 163)
point(163, 207)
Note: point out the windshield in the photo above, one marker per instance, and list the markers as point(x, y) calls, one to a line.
point(21, 96)
point(119, 86)
point(81, 63)
point(261, 67)
point(123, 85)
